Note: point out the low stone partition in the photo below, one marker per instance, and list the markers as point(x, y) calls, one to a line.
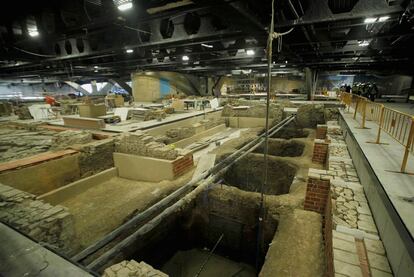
point(352, 242)
point(52, 225)
point(150, 169)
point(132, 268)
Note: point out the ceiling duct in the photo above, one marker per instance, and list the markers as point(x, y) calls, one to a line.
point(341, 6)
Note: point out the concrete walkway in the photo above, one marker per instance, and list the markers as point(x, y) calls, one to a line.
point(385, 159)
point(21, 256)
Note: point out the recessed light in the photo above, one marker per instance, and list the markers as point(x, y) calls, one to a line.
point(33, 33)
point(370, 20)
point(363, 43)
point(125, 6)
point(383, 18)
point(185, 58)
point(250, 52)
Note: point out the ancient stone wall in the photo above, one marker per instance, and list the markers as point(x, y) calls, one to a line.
point(139, 143)
point(255, 110)
point(132, 268)
point(41, 221)
point(95, 156)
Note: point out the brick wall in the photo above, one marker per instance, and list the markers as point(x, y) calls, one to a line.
point(321, 131)
point(327, 237)
point(182, 165)
point(39, 220)
point(320, 151)
point(318, 199)
point(317, 191)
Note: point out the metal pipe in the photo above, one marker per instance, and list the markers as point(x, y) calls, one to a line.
point(165, 202)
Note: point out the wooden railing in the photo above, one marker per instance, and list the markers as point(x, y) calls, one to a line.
point(398, 125)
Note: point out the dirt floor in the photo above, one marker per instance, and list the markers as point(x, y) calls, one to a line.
point(102, 208)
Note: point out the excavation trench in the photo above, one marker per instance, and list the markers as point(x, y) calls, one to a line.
point(291, 131)
point(248, 174)
point(282, 148)
point(182, 243)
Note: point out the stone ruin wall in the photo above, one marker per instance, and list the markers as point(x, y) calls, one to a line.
point(51, 225)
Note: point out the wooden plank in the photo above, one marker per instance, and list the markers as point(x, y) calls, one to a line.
point(36, 159)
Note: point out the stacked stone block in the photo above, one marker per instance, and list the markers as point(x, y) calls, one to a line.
point(357, 247)
point(139, 143)
point(132, 268)
point(41, 221)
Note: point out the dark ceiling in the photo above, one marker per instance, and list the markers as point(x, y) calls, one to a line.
point(88, 39)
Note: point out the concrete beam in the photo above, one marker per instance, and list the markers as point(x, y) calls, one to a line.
point(122, 84)
point(77, 87)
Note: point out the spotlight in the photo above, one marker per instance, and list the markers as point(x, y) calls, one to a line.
point(185, 58)
point(383, 18)
point(370, 20)
point(250, 52)
point(363, 43)
point(129, 51)
point(123, 5)
point(33, 33)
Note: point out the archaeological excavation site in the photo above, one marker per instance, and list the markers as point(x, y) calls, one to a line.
point(191, 138)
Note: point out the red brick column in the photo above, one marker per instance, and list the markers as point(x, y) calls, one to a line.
point(321, 131)
point(318, 199)
point(320, 151)
point(317, 190)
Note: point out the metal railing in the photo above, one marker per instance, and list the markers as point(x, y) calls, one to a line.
point(399, 125)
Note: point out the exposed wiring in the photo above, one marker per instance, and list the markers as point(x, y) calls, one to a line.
point(34, 54)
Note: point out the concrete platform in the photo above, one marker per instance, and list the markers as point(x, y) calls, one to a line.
point(389, 194)
point(21, 256)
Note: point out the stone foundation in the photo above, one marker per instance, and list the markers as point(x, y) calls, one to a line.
point(132, 268)
point(45, 223)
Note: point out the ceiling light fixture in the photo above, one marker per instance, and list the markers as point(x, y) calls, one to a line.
point(286, 61)
point(123, 5)
point(282, 65)
point(129, 51)
point(250, 52)
point(207, 45)
point(363, 43)
point(370, 20)
point(185, 58)
point(96, 67)
point(383, 18)
point(33, 33)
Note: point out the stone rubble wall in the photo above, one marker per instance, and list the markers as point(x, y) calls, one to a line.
point(68, 138)
point(20, 143)
point(132, 268)
point(95, 156)
point(353, 224)
point(310, 115)
point(255, 110)
point(177, 134)
point(142, 144)
point(52, 225)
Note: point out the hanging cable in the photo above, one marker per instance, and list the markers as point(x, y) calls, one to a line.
point(34, 54)
point(272, 35)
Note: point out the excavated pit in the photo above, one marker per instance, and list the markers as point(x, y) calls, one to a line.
point(247, 174)
point(282, 148)
point(181, 243)
point(291, 131)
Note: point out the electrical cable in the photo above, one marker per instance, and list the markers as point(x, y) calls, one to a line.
point(34, 54)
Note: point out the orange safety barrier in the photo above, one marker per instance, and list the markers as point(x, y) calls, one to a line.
point(398, 125)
